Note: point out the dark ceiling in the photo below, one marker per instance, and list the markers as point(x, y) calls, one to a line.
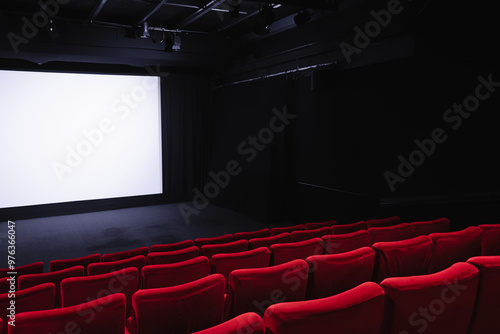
point(211, 33)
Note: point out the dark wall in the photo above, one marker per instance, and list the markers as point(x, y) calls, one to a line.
point(355, 125)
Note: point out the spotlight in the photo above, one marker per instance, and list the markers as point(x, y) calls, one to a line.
point(177, 43)
point(302, 17)
point(145, 30)
point(173, 43)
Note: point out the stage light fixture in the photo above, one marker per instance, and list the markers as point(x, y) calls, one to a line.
point(145, 30)
point(173, 42)
point(302, 17)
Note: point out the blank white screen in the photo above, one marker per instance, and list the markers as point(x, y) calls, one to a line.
point(69, 137)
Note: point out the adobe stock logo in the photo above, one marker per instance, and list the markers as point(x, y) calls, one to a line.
point(454, 118)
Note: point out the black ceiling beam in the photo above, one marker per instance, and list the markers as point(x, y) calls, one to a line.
point(154, 10)
point(97, 9)
point(313, 4)
point(200, 13)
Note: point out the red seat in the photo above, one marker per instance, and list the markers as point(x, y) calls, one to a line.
point(440, 225)
point(174, 256)
point(179, 309)
point(265, 232)
point(383, 222)
point(340, 243)
point(79, 290)
point(253, 290)
point(30, 280)
point(336, 273)
point(224, 264)
point(84, 261)
point(165, 275)
point(402, 258)
point(268, 241)
point(282, 253)
point(453, 247)
point(310, 234)
point(490, 240)
point(5, 285)
point(348, 228)
point(313, 226)
point(247, 323)
point(102, 316)
point(173, 246)
point(117, 256)
point(287, 229)
point(222, 239)
point(40, 297)
point(32, 268)
point(433, 304)
point(138, 262)
point(391, 233)
point(487, 309)
point(356, 311)
point(230, 247)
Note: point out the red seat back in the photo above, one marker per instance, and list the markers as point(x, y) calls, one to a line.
point(30, 280)
point(440, 225)
point(248, 323)
point(336, 273)
point(268, 241)
point(222, 239)
point(287, 229)
point(165, 275)
point(230, 247)
point(125, 254)
point(84, 261)
point(40, 297)
point(79, 290)
point(102, 316)
point(173, 246)
point(435, 303)
point(224, 264)
point(391, 233)
point(282, 253)
point(313, 226)
point(265, 232)
point(348, 228)
point(490, 240)
point(138, 262)
point(453, 247)
point(402, 258)
point(356, 311)
point(184, 308)
point(310, 234)
point(253, 290)
point(340, 243)
point(32, 268)
point(487, 308)
point(174, 256)
point(5, 285)
point(383, 222)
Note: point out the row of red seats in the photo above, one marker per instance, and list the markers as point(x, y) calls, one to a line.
point(461, 299)
point(159, 271)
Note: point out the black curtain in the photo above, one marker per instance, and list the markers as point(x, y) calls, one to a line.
point(187, 134)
